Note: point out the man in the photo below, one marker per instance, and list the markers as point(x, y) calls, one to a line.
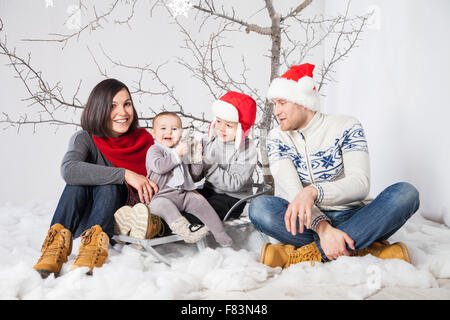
point(320, 166)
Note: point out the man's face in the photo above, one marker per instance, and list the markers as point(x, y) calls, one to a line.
point(291, 116)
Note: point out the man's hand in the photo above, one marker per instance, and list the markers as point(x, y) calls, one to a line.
point(333, 241)
point(300, 208)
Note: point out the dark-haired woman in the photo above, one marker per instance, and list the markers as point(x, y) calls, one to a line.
point(104, 169)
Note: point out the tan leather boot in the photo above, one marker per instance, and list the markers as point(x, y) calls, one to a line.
point(56, 248)
point(284, 255)
point(144, 225)
point(122, 223)
point(384, 250)
point(137, 222)
point(93, 250)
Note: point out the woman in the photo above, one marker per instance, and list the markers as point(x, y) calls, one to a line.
point(104, 169)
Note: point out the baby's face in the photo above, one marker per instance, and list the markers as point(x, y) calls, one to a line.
point(167, 130)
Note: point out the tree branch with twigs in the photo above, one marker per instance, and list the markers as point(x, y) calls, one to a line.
point(206, 60)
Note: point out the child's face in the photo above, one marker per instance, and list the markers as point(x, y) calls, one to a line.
point(226, 130)
point(167, 130)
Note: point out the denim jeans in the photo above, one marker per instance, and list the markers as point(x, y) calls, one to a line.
point(81, 207)
point(378, 220)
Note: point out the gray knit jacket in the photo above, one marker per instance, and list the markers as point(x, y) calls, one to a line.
point(161, 162)
point(84, 164)
point(228, 170)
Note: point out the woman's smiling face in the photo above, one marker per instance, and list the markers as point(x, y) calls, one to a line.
point(121, 115)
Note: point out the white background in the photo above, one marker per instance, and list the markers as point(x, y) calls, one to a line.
point(396, 82)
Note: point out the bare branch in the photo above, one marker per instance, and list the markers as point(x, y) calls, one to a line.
point(249, 27)
point(349, 37)
point(94, 24)
point(140, 89)
point(297, 10)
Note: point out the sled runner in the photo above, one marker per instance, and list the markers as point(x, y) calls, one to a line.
point(243, 221)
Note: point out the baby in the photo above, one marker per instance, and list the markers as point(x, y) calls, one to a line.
point(168, 167)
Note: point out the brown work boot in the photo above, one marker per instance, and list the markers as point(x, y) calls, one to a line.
point(384, 250)
point(143, 224)
point(283, 255)
point(93, 250)
point(56, 248)
point(122, 225)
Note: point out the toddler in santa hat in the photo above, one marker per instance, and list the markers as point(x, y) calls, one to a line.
point(229, 155)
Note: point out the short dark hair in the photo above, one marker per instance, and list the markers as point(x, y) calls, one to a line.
point(165, 113)
point(95, 116)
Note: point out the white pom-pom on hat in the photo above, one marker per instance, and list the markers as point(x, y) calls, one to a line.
point(306, 84)
point(296, 85)
point(235, 107)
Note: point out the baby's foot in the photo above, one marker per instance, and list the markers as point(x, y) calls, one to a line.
point(223, 239)
point(122, 223)
point(189, 233)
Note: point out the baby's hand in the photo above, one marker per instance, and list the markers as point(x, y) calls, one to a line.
point(197, 156)
point(198, 147)
point(182, 149)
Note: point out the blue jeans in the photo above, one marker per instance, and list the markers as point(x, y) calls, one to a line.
point(81, 207)
point(378, 220)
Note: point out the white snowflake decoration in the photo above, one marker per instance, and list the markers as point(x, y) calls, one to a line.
point(180, 7)
point(74, 20)
point(49, 3)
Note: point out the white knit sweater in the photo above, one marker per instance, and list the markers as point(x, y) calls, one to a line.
point(331, 154)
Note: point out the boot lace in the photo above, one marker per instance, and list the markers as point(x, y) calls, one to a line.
point(90, 255)
point(305, 253)
point(86, 236)
point(50, 247)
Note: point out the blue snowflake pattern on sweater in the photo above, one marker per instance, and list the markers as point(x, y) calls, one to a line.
point(326, 164)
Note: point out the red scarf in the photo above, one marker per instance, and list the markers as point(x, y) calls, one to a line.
point(128, 151)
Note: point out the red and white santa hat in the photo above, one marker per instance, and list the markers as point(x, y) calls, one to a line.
point(297, 86)
point(235, 107)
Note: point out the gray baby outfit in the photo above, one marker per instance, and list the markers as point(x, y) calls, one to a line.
point(175, 180)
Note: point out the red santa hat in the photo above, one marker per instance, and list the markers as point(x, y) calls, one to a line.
point(297, 86)
point(235, 107)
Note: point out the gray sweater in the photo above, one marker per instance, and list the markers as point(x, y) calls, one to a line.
point(84, 164)
point(162, 161)
point(227, 170)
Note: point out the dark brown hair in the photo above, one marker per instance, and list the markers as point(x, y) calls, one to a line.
point(96, 113)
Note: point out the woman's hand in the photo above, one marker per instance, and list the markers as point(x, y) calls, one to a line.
point(333, 241)
point(144, 186)
point(300, 207)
